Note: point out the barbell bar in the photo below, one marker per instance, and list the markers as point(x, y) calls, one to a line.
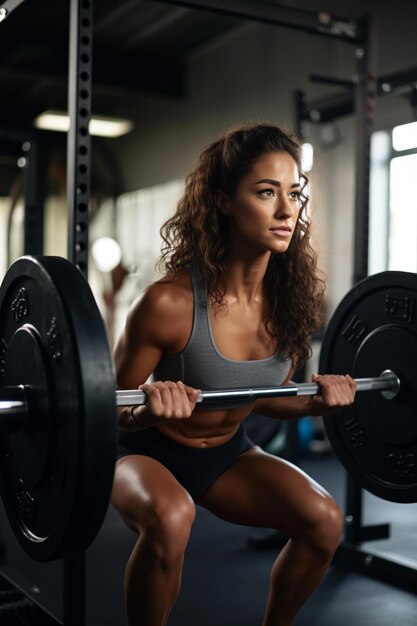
point(58, 399)
point(388, 383)
point(15, 407)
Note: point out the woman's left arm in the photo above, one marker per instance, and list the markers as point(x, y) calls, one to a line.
point(337, 392)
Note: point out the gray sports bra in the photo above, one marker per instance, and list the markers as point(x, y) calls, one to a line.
point(201, 365)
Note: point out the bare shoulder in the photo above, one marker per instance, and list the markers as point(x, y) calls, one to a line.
point(164, 311)
point(168, 298)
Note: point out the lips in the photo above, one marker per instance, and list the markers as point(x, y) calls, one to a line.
point(281, 230)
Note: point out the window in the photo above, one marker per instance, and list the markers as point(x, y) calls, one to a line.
point(393, 201)
point(402, 242)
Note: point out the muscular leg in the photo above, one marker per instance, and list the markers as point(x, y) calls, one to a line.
point(264, 491)
point(152, 503)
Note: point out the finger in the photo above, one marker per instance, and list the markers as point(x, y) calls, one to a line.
point(352, 383)
point(187, 400)
point(340, 388)
point(336, 390)
point(154, 400)
point(165, 409)
point(178, 407)
point(170, 398)
point(192, 393)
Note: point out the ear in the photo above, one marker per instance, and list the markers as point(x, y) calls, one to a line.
point(222, 202)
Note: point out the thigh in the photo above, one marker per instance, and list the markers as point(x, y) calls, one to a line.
point(143, 488)
point(263, 490)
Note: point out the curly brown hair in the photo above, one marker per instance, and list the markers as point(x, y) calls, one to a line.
point(198, 233)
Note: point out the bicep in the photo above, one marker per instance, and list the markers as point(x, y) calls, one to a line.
point(150, 330)
point(138, 350)
point(134, 361)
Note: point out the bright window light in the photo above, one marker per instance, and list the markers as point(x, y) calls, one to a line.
point(99, 126)
point(379, 202)
point(404, 137)
point(307, 157)
point(403, 215)
point(106, 253)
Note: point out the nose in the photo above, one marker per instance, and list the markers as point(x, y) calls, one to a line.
point(285, 207)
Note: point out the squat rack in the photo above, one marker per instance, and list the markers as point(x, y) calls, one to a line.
point(78, 194)
point(357, 32)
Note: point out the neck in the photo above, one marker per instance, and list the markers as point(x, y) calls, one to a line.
point(245, 275)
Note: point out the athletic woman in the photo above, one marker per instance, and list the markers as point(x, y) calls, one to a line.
point(240, 297)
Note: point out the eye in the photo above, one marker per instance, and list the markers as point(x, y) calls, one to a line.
point(266, 193)
point(295, 195)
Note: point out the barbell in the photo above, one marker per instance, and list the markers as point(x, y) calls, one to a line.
point(58, 399)
point(15, 406)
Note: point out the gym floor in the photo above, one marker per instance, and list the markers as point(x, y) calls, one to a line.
point(226, 573)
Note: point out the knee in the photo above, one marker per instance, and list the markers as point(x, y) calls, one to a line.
point(166, 530)
point(325, 529)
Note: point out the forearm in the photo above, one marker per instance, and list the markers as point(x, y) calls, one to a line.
point(290, 407)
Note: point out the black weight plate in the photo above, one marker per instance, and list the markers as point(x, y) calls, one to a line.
point(56, 474)
point(373, 329)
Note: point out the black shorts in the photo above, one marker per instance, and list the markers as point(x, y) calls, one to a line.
point(194, 468)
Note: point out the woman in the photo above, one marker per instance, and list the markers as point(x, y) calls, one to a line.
point(236, 307)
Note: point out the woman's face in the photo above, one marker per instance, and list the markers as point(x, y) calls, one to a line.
point(265, 208)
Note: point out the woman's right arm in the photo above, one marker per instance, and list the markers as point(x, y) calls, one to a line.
point(153, 326)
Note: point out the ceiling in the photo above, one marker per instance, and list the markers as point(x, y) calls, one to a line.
point(140, 46)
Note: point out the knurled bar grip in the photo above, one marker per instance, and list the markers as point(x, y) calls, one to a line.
point(388, 383)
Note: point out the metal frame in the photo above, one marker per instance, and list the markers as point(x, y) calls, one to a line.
point(78, 192)
point(365, 106)
point(34, 199)
point(327, 108)
point(7, 7)
point(79, 143)
point(375, 566)
point(26, 609)
point(313, 22)
point(33, 189)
